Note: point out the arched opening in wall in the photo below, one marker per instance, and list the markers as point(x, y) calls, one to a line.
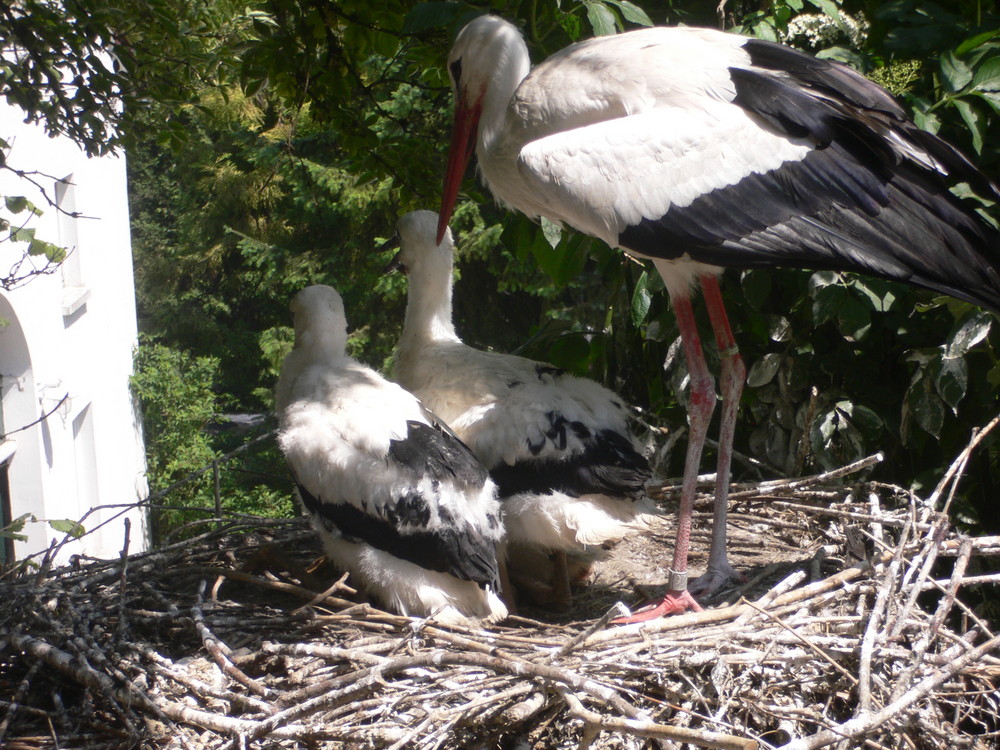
point(21, 448)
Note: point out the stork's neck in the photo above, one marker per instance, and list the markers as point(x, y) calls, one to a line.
point(512, 64)
point(428, 307)
point(323, 342)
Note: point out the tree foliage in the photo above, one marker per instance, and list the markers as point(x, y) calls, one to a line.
point(296, 133)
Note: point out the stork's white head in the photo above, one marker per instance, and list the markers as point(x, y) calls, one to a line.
point(419, 251)
point(487, 62)
point(320, 322)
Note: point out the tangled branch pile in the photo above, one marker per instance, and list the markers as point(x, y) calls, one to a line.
point(850, 642)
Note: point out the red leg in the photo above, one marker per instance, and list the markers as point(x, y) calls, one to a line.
point(700, 406)
point(732, 378)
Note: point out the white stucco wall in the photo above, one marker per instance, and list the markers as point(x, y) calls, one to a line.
point(71, 334)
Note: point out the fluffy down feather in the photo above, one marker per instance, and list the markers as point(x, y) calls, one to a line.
point(396, 498)
point(557, 446)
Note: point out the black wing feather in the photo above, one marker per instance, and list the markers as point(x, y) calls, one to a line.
point(453, 546)
point(852, 204)
point(608, 465)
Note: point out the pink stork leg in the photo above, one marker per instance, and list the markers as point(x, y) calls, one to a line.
point(701, 404)
point(700, 408)
point(732, 377)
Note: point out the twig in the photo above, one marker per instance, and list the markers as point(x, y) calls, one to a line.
point(977, 437)
point(220, 651)
point(652, 730)
point(857, 726)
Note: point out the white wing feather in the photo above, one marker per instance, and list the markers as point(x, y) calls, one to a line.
point(614, 174)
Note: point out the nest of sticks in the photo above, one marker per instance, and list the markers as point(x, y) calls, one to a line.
point(856, 633)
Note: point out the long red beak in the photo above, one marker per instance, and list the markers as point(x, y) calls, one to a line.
point(462, 143)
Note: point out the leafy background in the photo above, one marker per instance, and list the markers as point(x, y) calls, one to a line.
point(273, 144)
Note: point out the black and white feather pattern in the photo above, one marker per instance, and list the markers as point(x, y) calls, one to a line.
point(557, 446)
point(397, 499)
point(705, 149)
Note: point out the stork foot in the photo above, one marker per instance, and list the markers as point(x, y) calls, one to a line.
point(673, 603)
point(715, 578)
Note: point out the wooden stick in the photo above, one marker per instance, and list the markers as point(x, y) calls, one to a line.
point(653, 730)
point(859, 725)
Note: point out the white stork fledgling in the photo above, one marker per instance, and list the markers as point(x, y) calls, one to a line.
point(558, 446)
point(398, 500)
point(703, 150)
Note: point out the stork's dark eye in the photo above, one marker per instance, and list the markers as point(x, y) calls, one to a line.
point(456, 71)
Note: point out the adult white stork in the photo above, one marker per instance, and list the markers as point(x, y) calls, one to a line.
point(558, 446)
point(703, 150)
point(397, 499)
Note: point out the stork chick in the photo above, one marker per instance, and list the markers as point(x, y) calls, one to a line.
point(558, 446)
point(396, 498)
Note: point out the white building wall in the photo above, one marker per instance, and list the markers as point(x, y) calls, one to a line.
point(71, 334)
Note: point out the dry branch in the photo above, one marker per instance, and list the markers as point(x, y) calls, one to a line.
point(145, 651)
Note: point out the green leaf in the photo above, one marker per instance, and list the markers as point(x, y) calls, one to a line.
point(766, 31)
point(54, 253)
point(987, 76)
point(954, 71)
point(927, 120)
point(971, 43)
point(16, 203)
point(66, 526)
point(601, 18)
point(842, 54)
point(866, 419)
point(992, 98)
point(823, 278)
point(853, 318)
point(552, 231)
point(928, 410)
point(23, 234)
point(968, 334)
point(779, 328)
point(952, 381)
point(570, 352)
point(827, 6)
point(641, 299)
point(764, 369)
point(632, 12)
point(827, 303)
point(973, 120)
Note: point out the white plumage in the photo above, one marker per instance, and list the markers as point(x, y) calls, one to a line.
point(703, 150)
point(397, 500)
point(558, 446)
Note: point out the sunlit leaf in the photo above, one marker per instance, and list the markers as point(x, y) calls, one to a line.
point(602, 20)
point(764, 369)
point(987, 75)
point(23, 234)
point(979, 39)
point(954, 71)
point(973, 120)
point(969, 333)
point(952, 380)
point(632, 12)
point(65, 526)
point(16, 203)
point(641, 299)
